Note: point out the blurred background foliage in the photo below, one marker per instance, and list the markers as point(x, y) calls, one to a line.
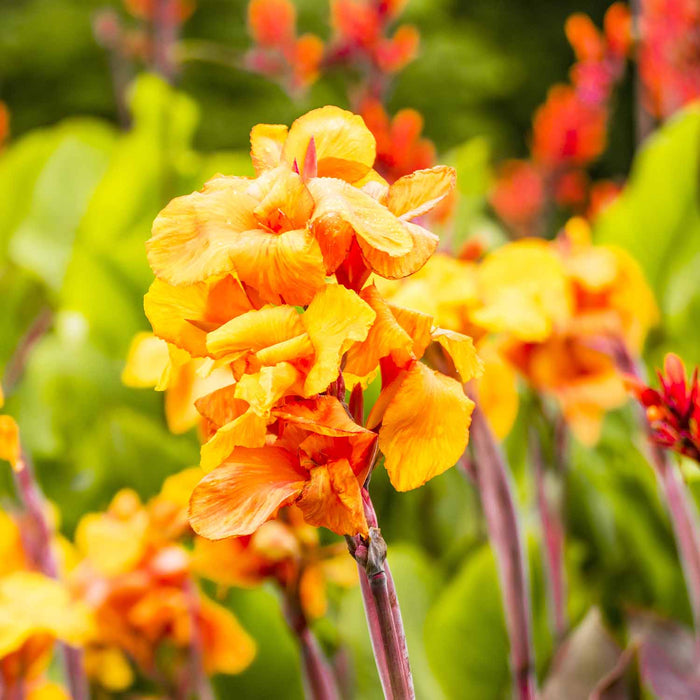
point(78, 199)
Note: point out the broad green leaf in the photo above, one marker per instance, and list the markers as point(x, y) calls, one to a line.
point(465, 633)
point(43, 239)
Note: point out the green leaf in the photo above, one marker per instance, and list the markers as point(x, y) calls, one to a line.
point(44, 237)
point(657, 219)
point(465, 633)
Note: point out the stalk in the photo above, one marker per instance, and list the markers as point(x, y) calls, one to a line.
point(382, 610)
point(38, 545)
point(165, 31)
point(553, 541)
point(682, 511)
point(319, 681)
point(494, 485)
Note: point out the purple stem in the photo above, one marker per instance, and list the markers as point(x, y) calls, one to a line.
point(165, 31)
point(494, 485)
point(319, 681)
point(553, 539)
point(382, 610)
point(683, 513)
point(38, 543)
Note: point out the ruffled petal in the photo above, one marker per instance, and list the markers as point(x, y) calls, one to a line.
point(345, 147)
point(423, 245)
point(420, 444)
point(146, 361)
point(9, 440)
point(461, 349)
point(375, 226)
point(266, 142)
point(416, 194)
point(290, 350)
point(255, 330)
point(227, 647)
point(247, 430)
point(285, 201)
point(192, 237)
point(239, 496)
point(386, 337)
point(287, 267)
point(332, 499)
point(184, 314)
point(265, 388)
point(334, 320)
point(417, 324)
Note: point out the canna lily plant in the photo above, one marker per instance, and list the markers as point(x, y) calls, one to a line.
point(267, 284)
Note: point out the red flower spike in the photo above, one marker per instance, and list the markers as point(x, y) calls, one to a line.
point(674, 411)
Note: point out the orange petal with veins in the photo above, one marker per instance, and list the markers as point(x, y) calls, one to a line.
point(239, 496)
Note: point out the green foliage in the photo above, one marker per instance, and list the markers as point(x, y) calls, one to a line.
point(657, 219)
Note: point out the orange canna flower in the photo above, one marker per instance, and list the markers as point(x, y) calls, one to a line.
point(4, 123)
point(285, 550)
point(137, 582)
point(518, 196)
point(319, 461)
point(567, 130)
point(238, 291)
point(35, 611)
point(400, 148)
point(278, 52)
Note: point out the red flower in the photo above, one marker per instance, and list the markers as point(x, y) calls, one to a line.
point(673, 411)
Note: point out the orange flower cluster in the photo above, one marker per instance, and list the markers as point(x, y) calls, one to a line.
point(35, 613)
point(543, 308)
point(669, 54)
point(279, 53)
point(285, 550)
point(4, 123)
point(360, 40)
point(569, 129)
point(138, 584)
point(265, 280)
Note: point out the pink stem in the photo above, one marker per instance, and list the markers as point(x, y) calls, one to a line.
point(382, 610)
point(553, 537)
point(684, 516)
point(319, 681)
point(165, 30)
point(501, 518)
point(38, 544)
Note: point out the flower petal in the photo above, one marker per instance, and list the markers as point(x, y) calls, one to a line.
point(345, 147)
point(146, 361)
point(332, 499)
point(247, 430)
point(375, 226)
point(424, 244)
point(227, 647)
point(183, 314)
point(266, 142)
point(416, 194)
point(287, 267)
point(462, 351)
point(419, 445)
point(265, 388)
point(255, 330)
point(192, 237)
point(417, 324)
point(9, 440)
point(385, 337)
point(239, 496)
point(335, 319)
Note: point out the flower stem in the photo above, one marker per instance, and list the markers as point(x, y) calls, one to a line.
point(165, 34)
point(501, 518)
point(683, 514)
point(319, 681)
point(38, 545)
point(553, 541)
point(382, 610)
